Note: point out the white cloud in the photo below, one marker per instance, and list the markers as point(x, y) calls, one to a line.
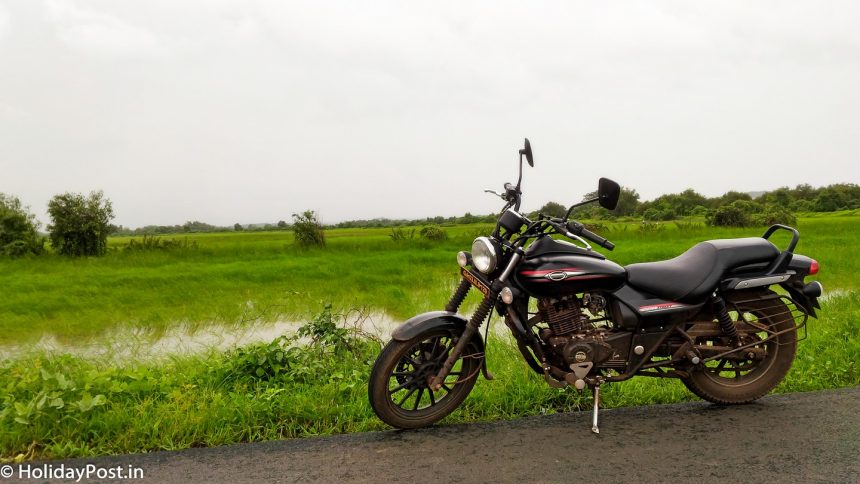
point(99, 33)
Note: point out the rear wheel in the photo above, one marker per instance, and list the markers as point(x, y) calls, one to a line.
point(742, 380)
point(399, 388)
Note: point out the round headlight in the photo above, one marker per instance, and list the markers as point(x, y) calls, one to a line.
point(484, 255)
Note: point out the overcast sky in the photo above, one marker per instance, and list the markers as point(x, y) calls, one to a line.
point(240, 111)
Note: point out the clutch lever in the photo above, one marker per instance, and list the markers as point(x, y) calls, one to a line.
point(563, 231)
point(487, 190)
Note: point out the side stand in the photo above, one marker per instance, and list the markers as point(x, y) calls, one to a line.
point(596, 391)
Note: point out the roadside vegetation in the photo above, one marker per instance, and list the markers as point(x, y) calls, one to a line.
point(314, 382)
point(56, 406)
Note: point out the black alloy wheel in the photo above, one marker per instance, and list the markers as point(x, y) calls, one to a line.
point(399, 389)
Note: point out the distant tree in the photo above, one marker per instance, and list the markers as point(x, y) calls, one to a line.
point(282, 224)
point(728, 198)
point(238, 227)
point(468, 218)
point(18, 227)
point(780, 197)
point(552, 209)
point(308, 230)
point(804, 191)
point(628, 202)
point(699, 211)
point(829, 200)
point(80, 224)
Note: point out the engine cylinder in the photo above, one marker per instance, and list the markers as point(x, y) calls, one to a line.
point(564, 316)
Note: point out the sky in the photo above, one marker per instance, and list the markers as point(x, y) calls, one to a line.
point(249, 111)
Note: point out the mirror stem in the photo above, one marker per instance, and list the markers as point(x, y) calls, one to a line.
point(586, 202)
point(520, 179)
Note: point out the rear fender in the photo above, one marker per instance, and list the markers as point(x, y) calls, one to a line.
point(422, 323)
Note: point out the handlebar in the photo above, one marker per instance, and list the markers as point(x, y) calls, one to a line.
point(577, 228)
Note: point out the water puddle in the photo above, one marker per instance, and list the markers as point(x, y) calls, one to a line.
point(141, 344)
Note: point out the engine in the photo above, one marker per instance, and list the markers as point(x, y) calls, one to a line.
point(574, 336)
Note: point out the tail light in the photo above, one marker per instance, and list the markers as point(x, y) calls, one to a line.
point(813, 267)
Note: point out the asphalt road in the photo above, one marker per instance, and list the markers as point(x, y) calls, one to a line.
point(803, 437)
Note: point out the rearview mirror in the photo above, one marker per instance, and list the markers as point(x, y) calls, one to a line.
point(527, 150)
point(607, 193)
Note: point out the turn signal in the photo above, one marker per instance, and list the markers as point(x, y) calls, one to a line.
point(464, 259)
point(507, 295)
point(813, 267)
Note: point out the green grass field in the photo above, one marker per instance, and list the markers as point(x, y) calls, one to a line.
point(232, 277)
point(54, 406)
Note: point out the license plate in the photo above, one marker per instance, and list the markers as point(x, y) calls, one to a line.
point(475, 281)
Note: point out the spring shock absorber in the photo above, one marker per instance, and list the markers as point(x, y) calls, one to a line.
point(726, 323)
point(470, 330)
point(458, 296)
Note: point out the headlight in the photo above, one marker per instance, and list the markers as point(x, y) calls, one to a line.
point(484, 255)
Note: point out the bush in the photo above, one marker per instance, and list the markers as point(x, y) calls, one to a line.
point(80, 225)
point(732, 215)
point(308, 230)
point(655, 214)
point(774, 215)
point(151, 242)
point(398, 234)
point(18, 236)
point(434, 232)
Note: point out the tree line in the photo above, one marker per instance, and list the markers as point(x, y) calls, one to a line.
point(80, 224)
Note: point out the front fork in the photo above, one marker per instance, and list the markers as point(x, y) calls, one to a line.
point(476, 320)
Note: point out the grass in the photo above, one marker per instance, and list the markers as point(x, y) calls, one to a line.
point(231, 276)
point(56, 406)
point(63, 406)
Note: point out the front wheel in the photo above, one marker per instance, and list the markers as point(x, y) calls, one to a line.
point(399, 388)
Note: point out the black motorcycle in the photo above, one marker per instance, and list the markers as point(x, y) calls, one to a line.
point(710, 316)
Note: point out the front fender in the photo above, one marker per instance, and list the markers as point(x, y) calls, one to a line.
point(421, 323)
point(428, 321)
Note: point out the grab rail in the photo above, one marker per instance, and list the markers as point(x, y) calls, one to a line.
point(794, 238)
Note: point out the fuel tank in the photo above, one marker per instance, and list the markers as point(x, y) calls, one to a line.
point(553, 268)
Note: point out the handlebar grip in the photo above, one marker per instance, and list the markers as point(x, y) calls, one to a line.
point(597, 239)
point(580, 229)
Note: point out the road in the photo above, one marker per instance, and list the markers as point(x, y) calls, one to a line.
point(802, 437)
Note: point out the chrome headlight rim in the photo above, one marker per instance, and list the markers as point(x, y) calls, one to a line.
point(485, 255)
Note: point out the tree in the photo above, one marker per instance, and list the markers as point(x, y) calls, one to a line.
point(628, 202)
point(829, 200)
point(282, 224)
point(308, 230)
point(728, 198)
point(18, 226)
point(552, 209)
point(80, 225)
point(237, 227)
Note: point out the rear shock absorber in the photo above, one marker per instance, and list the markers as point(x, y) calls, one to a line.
point(726, 323)
point(458, 296)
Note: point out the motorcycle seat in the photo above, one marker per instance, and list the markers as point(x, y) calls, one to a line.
point(693, 275)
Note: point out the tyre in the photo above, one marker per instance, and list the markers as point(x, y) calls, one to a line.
point(399, 382)
point(736, 380)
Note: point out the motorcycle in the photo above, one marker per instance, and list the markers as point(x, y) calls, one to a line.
point(709, 317)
